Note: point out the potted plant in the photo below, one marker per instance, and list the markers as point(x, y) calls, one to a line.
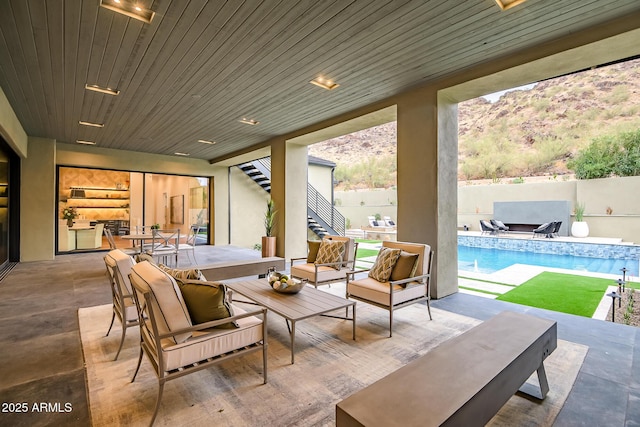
point(269, 240)
point(579, 228)
point(69, 213)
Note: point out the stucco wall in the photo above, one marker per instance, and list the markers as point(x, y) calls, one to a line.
point(248, 202)
point(320, 177)
point(10, 128)
point(359, 204)
point(475, 202)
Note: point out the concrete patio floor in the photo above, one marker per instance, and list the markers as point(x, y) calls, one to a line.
point(43, 360)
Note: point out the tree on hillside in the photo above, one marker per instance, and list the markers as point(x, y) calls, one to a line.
point(617, 155)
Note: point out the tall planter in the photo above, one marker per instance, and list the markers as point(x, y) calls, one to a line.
point(269, 241)
point(268, 246)
point(580, 229)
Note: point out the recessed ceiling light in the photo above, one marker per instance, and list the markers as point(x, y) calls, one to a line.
point(181, 154)
point(130, 9)
point(508, 4)
point(324, 83)
point(80, 141)
point(206, 142)
point(95, 125)
point(246, 121)
point(100, 89)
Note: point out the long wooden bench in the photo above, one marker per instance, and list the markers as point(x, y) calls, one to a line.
point(462, 382)
point(241, 268)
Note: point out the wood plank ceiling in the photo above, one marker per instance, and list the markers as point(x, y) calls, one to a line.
point(202, 65)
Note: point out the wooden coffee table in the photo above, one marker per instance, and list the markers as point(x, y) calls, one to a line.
point(309, 302)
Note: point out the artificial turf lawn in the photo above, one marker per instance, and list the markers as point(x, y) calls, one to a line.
point(564, 293)
point(363, 253)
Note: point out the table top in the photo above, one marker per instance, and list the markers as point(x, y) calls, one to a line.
point(307, 303)
point(146, 236)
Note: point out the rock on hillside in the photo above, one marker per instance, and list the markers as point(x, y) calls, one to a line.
point(536, 130)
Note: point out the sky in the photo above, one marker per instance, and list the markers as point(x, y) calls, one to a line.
point(493, 97)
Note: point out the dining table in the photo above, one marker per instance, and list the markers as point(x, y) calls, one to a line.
point(138, 239)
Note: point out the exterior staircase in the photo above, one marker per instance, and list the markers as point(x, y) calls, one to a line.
point(322, 218)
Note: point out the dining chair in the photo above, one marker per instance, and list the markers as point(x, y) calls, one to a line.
point(165, 244)
point(112, 243)
point(190, 245)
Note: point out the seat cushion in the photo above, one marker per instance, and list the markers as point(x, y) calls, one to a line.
point(379, 292)
point(325, 274)
point(206, 301)
point(212, 342)
point(171, 312)
point(405, 267)
point(330, 251)
point(314, 246)
point(383, 266)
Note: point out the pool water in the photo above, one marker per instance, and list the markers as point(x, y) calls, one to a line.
point(486, 260)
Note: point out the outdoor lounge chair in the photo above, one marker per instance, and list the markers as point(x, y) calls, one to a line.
point(500, 225)
point(545, 229)
point(407, 281)
point(487, 227)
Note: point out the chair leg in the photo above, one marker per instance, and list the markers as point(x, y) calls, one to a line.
point(113, 317)
point(390, 322)
point(429, 309)
point(124, 332)
point(137, 367)
point(155, 412)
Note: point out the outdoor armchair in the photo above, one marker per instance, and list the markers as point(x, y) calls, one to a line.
point(545, 229)
point(395, 283)
point(487, 227)
point(327, 261)
point(499, 225)
point(176, 346)
point(119, 266)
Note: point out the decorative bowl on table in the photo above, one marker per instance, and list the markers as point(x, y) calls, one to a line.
point(284, 283)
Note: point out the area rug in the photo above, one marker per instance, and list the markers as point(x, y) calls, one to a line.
point(329, 367)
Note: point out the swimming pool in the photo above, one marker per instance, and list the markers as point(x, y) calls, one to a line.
point(488, 260)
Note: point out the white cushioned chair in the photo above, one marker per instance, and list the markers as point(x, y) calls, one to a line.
point(91, 238)
point(119, 266)
point(401, 289)
point(174, 346)
point(321, 273)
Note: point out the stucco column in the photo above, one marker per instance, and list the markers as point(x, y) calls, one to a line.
point(427, 195)
point(37, 200)
point(289, 192)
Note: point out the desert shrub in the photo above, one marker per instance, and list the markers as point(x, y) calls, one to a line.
point(373, 172)
point(609, 155)
point(618, 95)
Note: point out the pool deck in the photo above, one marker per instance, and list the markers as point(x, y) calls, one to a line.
point(528, 236)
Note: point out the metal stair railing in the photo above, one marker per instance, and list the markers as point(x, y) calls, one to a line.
point(318, 204)
point(319, 208)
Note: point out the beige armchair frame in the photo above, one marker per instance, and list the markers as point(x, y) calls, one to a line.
point(187, 349)
point(323, 274)
point(393, 295)
point(119, 266)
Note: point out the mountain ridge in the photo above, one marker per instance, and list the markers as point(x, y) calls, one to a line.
point(525, 133)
